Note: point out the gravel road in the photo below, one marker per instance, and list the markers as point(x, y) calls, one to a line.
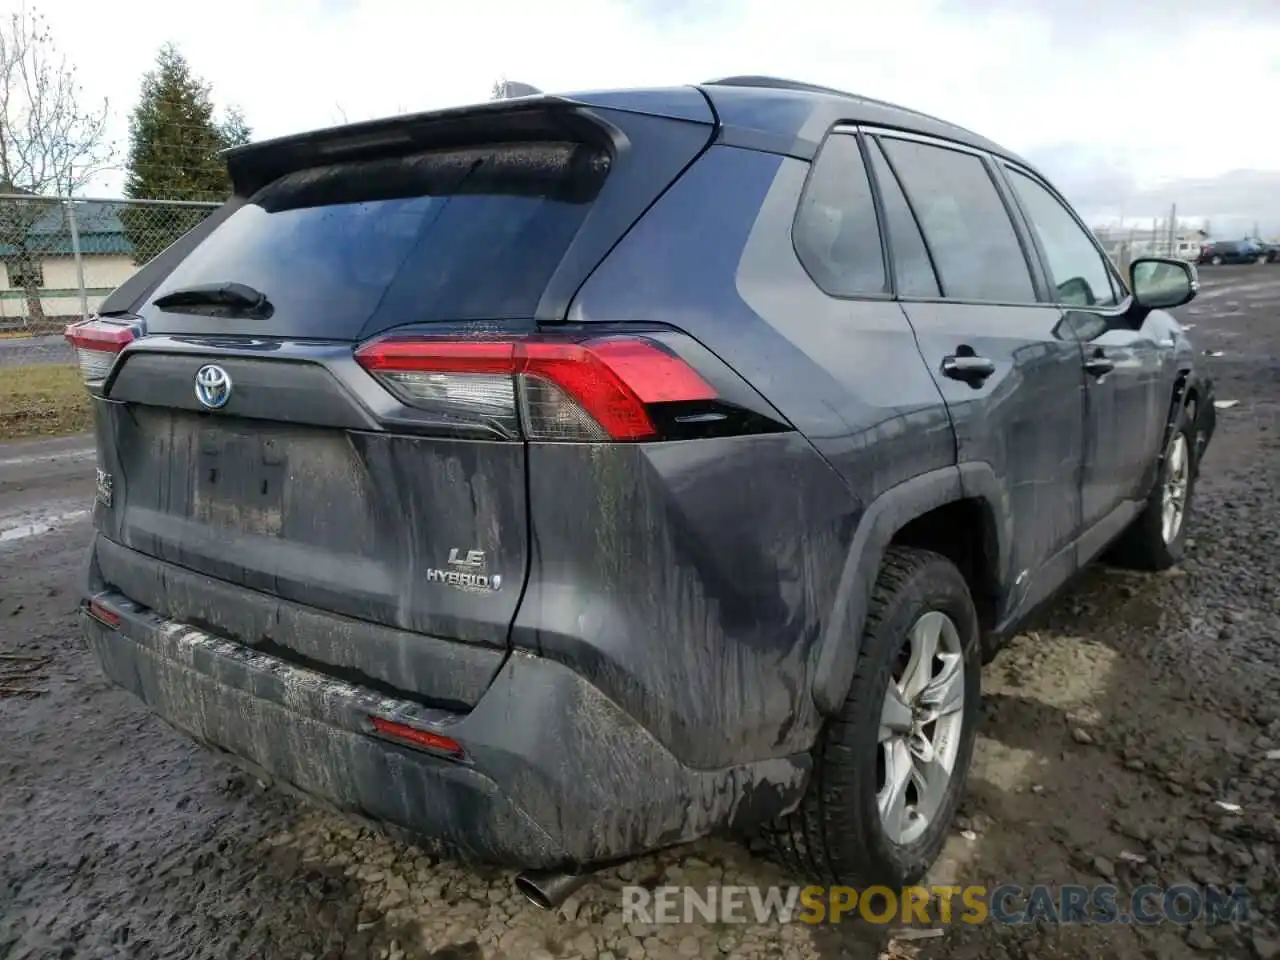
point(29, 350)
point(1114, 730)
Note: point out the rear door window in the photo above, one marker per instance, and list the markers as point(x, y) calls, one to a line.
point(969, 232)
point(836, 234)
point(464, 234)
point(912, 268)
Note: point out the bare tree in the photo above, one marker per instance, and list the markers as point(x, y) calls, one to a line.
point(49, 144)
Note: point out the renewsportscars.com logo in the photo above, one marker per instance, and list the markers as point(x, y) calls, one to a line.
point(1006, 904)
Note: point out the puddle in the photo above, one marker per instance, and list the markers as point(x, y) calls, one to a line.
point(84, 453)
point(40, 525)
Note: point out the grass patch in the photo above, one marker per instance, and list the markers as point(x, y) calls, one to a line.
point(37, 330)
point(43, 400)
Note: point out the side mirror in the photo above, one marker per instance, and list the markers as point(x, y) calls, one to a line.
point(1159, 283)
point(1076, 292)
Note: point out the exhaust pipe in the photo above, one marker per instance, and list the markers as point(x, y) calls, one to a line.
point(548, 889)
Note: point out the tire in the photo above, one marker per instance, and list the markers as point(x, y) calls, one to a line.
point(1144, 544)
point(1216, 261)
point(837, 835)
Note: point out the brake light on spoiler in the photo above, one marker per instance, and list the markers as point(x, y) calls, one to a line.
point(539, 388)
point(97, 341)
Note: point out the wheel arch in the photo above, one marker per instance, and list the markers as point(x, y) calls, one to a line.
point(1193, 392)
point(923, 512)
point(1187, 390)
point(1184, 391)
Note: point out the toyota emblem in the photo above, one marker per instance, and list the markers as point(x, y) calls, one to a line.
point(213, 386)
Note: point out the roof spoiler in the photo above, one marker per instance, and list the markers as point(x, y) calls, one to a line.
point(537, 117)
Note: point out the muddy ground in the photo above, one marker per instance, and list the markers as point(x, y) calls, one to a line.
point(1114, 732)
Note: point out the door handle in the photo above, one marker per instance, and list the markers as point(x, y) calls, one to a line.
point(1099, 366)
point(968, 369)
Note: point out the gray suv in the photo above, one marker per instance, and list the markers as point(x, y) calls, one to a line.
point(567, 477)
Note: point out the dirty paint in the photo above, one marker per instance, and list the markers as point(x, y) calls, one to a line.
point(343, 523)
point(691, 593)
point(554, 771)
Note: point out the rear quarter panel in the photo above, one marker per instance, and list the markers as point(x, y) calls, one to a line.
point(693, 581)
point(688, 582)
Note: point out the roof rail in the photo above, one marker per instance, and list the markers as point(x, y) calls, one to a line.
point(775, 83)
point(778, 83)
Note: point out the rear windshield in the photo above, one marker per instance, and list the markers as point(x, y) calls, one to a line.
point(353, 248)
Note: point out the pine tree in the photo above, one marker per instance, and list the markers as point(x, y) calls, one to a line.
point(235, 130)
point(174, 147)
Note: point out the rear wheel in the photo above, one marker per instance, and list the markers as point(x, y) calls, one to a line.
point(1156, 540)
point(890, 767)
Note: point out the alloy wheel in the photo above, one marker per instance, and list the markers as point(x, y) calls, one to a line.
point(920, 727)
point(1174, 494)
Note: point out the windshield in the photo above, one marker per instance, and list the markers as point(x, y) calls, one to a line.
point(350, 249)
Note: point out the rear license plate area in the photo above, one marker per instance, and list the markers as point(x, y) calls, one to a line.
point(240, 482)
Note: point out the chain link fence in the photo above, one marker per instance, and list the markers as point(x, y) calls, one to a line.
point(61, 257)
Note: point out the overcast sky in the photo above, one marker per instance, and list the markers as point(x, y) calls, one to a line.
point(1129, 105)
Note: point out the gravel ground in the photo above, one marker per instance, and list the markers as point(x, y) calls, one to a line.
point(1112, 730)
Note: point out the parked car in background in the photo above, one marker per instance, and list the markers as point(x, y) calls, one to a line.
point(1188, 250)
point(564, 478)
point(1233, 251)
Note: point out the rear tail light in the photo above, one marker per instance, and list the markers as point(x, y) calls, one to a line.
point(97, 342)
point(542, 389)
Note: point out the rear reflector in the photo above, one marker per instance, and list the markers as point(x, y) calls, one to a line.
point(588, 390)
point(96, 343)
point(416, 737)
point(102, 614)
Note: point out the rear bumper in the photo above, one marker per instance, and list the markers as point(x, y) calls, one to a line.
point(554, 774)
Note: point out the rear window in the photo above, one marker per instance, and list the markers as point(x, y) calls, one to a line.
point(354, 248)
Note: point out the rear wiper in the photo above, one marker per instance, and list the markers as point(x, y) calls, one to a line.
point(236, 299)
